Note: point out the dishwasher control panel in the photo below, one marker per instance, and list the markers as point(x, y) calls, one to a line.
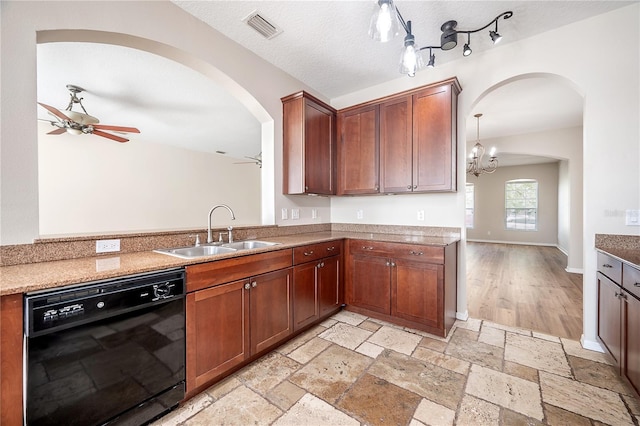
point(64, 308)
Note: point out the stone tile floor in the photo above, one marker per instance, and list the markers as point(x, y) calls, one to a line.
point(353, 370)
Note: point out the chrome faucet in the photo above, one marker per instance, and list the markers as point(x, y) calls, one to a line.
point(233, 217)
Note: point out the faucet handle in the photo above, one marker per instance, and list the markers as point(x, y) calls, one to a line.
point(197, 243)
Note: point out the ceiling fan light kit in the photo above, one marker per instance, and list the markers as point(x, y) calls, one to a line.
point(78, 123)
point(387, 19)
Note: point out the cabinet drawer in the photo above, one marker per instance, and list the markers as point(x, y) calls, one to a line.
point(316, 251)
point(610, 267)
point(631, 279)
point(223, 271)
point(416, 252)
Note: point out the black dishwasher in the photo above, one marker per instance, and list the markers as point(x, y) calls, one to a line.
point(106, 352)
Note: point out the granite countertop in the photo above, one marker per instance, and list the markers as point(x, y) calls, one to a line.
point(47, 275)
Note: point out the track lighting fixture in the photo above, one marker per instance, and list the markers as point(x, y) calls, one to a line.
point(384, 26)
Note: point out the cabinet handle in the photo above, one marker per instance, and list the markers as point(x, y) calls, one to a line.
point(606, 265)
point(393, 264)
point(367, 248)
point(415, 186)
point(408, 186)
point(331, 248)
point(254, 284)
point(247, 286)
point(321, 265)
point(636, 285)
point(308, 253)
point(416, 253)
point(306, 188)
point(388, 263)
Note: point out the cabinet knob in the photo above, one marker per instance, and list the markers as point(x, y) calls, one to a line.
point(415, 186)
point(388, 263)
point(393, 264)
point(247, 286)
point(308, 253)
point(408, 186)
point(306, 188)
point(416, 253)
point(636, 284)
point(254, 284)
point(606, 265)
point(367, 248)
point(321, 265)
point(331, 248)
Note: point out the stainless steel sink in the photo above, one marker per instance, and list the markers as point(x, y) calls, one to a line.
point(212, 249)
point(249, 244)
point(193, 252)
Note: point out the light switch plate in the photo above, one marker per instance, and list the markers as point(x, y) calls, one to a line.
point(284, 216)
point(420, 215)
point(360, 214)
point(314, 213)
point(632, 218)
point(295, 213)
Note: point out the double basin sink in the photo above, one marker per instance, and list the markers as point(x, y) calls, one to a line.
point(212, 249)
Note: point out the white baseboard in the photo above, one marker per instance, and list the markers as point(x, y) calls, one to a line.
point(462, 316)
point(565, 252)
point(574, 270)
point(512, 242)
point(592, 345)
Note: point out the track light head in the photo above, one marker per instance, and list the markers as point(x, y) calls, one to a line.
point(467, 50)
point(495, 37)
point(449, 37)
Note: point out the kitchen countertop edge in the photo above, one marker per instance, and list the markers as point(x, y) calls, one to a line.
point(60, 273)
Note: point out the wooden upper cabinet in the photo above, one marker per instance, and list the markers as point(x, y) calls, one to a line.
point(396, 145)
point(434, 139)
point(358, 151)
point(309, 163)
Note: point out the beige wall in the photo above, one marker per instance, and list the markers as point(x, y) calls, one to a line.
point(489, 205)
point(101, 186)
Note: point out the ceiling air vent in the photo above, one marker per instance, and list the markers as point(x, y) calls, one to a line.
point(259, 23)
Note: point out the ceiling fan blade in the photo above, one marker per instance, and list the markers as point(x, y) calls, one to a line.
point(109, 136)
point(54, 111)
point(116, 128)
point(58, 131)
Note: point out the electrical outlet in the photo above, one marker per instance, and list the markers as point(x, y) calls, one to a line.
point(295, 213)
point(314, 213)
point(359, 214)
point(284, 214)
point(107, 246)
point(421, 215)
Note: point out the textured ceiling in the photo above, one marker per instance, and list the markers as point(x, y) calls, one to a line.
point(325, 45)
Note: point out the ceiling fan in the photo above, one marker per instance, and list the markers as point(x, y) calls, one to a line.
point(78, 123)
point(256, 160)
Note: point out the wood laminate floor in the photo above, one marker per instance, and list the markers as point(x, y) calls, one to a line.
point(524, 286)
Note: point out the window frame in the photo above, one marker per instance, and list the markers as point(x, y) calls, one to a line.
point(472, 208)
point(528, 205)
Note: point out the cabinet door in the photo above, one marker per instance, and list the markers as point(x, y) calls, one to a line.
point(631, 332)
point(609, 316)
point(305, 294)
point(358, 151)
point(417, 292)
point(434, 140)
point(369, 283)
point(217, 322)
point(396, 146)
point(329, 291)
point(319, 157)
point(271, 316)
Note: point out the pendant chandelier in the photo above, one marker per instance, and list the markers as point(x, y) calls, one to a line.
point(475, 166)
point(385, 23)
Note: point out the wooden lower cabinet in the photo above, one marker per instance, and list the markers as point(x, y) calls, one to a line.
point(271, 313)
point(369, 278)
point(630, 366)
point(408, 284)
point(317, 291)
point(416, 292)
point(227, 324)
point(619, 316)
point(609, 316)
point(217, 332)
